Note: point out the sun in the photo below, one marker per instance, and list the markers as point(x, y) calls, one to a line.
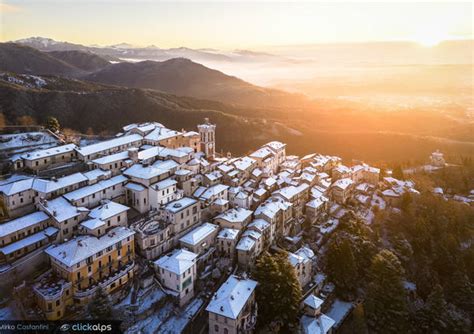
point(430, 38)
point(429, 41)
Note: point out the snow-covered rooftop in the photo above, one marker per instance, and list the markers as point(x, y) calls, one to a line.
point(48, 186)
point(161, 133)
point(148, 172)
point(60, 209)
point(107, 210)
point(343, 183)
point(198, 234)
point(108, 144)
point(180, 204)
point(29, 240)
point(316, 325)
point(259, 224)
point(76, 250)
point(16, 186)
point(111, 158)
point(206, 194)
point(245, 243)
point(276, 145)
point(232, 297)
point(164, 184)
point(228, 233)
point(262, 153)
point(313, 301)
point(177, 261)
point(94, 188)
point(22, 222)
point(41, 154)
point(235, 215)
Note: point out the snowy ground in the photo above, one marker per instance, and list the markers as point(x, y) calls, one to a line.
point(329, 226)
point(378, 201)
point(368, 216)
point(145, 300)
point(165, 319)
point(177, 323)
point(339, 311)
point(26, 140)
point(7, 312)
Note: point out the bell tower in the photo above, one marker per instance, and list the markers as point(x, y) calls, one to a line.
point(207, 133)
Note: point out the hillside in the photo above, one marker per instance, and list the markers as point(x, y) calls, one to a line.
point(23, 59)
point(83, 60)
point(80, 106)
point(178, 76)
point(184, 77)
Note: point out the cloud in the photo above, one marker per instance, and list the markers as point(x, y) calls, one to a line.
point(6, 8)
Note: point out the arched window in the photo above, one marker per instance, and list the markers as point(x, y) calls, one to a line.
point(216, 328)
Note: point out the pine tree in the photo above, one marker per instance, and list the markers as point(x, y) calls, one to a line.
point(431, 317)
point(52, 124)
point(386, 297)
point(460, 292)
point(341, 266)
point(359, 324)
point(398, 173)
point(100, 307)
point(439, 316)
point(278, 292)
point(402, 248)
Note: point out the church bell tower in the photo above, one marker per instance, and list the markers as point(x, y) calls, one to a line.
point(207, 133)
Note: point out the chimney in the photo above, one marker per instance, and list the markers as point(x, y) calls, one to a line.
point(133, 154)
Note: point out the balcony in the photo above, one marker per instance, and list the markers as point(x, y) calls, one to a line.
point(250, 319)
point(50, 286)
point(106, 281)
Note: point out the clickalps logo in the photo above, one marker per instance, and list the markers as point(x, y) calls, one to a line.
point(64, 327)
point(85, 327)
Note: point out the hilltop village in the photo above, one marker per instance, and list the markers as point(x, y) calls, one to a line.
point(171, 231)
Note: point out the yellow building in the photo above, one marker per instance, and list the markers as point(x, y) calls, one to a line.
point(82, 265)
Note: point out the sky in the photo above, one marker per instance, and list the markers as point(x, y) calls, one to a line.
point(234, 25)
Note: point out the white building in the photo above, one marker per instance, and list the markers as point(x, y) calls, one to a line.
point(177, 272)
point(232, 309)
point(199, 239)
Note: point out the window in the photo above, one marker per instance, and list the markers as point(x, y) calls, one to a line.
point(216, 328)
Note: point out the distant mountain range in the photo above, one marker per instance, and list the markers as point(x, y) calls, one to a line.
point(128, 51)
point(176, 76)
